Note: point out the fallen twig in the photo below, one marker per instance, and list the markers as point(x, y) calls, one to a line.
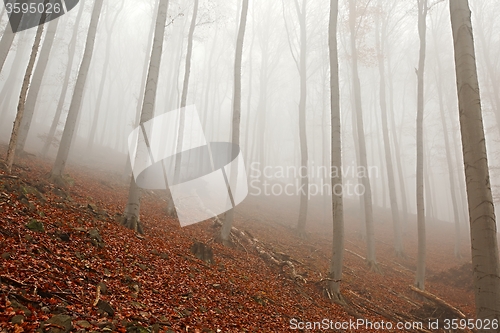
point(9, 177)
point(98, 295)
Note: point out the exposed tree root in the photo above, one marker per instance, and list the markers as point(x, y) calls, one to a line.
point(373, 266)
point(439, 302)
point(58, 180)
point(267, 255)
point(133, 223)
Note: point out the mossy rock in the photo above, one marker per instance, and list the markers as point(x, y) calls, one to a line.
point(35, 225)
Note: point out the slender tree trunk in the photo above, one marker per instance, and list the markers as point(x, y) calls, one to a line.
point(76, 101)
point(131, 218)
point(483, 229)
point(304, 157)
point(185, 87)
point(71, 56)
point(235, 133)
point(420, 275)
point(451, 171)
point(128, 168)
point(11, 150)
point(107, 59)
point(36, 84)
point(335, 272)
point(363, 162)
point(381, 34)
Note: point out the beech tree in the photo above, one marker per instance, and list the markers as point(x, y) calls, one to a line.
point(483, 229)
point(71, 56)
point(336, 159)
point(380, 30)
point(76, 101)
point(420, 274)
point(36, 84)
point(235, 133)
point(130, 217)
point(362, 159)
point(11, 150)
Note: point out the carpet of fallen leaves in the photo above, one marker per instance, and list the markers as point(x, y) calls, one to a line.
point(155, 282)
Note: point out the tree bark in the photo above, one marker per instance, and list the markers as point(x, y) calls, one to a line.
point(235, 133)
point(483, 229)
point(36, 84)
point(363, 162)
point(304, 157)
point(185, 87)
point(335, 272)
point(380, 39)
point(11, 150)
point(76, 101)
point(420, 274)
point(131, 218)
point(62, 96)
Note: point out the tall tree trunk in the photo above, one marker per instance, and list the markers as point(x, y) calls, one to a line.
point(107, 58)
point(397, 150)
point(483, 229)
point(335, 272)
point(363, 162)
point(380, 39)
point(185, 87)
point(11, 150)
point(451, 171)
point(144, 72)
point(420, 274)
point(62, 96)
point(304, 158)
point(36, 84)
point(76, 101)
point(131, 218)
point(235, 133)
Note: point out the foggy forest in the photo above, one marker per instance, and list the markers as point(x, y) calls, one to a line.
point(249, 166)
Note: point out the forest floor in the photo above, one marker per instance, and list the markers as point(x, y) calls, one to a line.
point(66, 264)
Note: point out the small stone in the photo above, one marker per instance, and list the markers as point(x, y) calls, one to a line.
point(103, 287)
point(106, 307)
point(61, 322)
point(6, 255)
point(142, 266)
point(64, 236)
point(17, 319)
point(216, 286)
point(83, 323)
point(163, 256)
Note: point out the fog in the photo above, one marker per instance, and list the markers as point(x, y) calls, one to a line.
point(270, 90)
